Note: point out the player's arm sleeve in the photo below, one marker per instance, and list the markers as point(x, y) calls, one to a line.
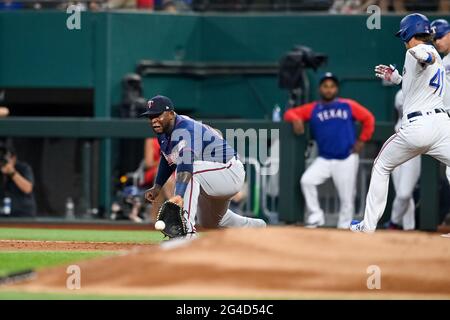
point(302, 112)
point(190, 149)
point(366, 118)
point(27, 173)
point(185, 168)
point(399, 100)
point(164, 171)
point(422, 55)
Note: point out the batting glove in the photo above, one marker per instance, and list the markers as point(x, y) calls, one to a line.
point(422, 55)
point(388, 73)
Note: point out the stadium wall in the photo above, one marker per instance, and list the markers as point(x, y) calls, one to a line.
point(110, 44)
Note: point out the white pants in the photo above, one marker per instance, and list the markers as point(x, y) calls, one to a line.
point(343, 173)
point(427, 134)
point(208, 195)
point(405, 178)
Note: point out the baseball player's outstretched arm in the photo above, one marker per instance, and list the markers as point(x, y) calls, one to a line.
point(185, 168)
point(164, 172)
point(422, 55)
point(388, 73)
point(298, 116)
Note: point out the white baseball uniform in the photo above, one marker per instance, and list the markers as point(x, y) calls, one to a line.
point(332, 125)
point(425, 128)
point(208, 195)
point(344, 173)
point(405, 178)
point(446, 62)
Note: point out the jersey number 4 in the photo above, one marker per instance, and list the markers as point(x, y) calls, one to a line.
point(437, 81)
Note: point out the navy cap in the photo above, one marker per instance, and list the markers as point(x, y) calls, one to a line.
point(328, 75)
point(157, 105)
point(440, 27)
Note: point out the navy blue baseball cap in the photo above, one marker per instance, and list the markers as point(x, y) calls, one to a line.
point(328, 75)
point(157, 105)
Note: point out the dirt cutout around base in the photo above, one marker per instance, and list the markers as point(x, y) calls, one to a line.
point(277, 262)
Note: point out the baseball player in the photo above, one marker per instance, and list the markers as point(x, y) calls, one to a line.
point(208, 171)
point(442, 42)
point(425, 125)
point(331, 120)
point(405, 178)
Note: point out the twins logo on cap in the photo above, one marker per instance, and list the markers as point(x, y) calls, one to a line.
point(150, 104)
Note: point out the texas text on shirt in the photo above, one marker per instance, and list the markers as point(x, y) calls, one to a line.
point(336, 136)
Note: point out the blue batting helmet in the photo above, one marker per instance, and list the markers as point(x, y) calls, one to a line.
point(413, 24)
point(440, 27)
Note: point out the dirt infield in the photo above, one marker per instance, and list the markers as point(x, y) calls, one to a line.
point(30, 245)
point(275, 262)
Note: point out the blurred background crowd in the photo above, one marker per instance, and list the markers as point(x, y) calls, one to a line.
point(331, 6)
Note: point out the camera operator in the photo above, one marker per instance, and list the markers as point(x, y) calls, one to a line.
point(16, 183)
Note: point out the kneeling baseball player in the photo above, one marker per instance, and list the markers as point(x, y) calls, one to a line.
point(208, 173)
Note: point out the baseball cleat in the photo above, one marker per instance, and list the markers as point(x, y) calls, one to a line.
point(314, 224)
point(314, 221)
point(357, 226)
point(447, 235)
point(393, 226)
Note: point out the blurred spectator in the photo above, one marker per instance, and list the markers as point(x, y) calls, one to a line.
point(145, 4)
point(152, 154)
point(398, 6)
point(10, 5)
point(151, 158)
point(4, 112)
point(173, 5)
point(16, 183)
point(383, 4)
point(360, 6)
point(346, 6)
point(421, 5)
point(121, 4)
point(444, 6)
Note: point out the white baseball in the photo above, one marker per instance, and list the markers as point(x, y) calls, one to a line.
point(160, 225)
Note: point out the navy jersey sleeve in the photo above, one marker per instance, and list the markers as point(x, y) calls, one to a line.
point(164, 171)
point(188, 136)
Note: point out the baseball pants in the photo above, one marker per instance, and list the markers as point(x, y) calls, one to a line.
point(405, 178)
point(343, 173)
point(427, 134)
point(209, 193)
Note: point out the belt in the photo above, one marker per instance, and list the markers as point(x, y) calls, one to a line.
point(419, 113)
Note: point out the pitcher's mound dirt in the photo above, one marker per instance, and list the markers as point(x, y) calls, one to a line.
point(269, 263)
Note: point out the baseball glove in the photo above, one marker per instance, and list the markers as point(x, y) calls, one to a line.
point(175, 223)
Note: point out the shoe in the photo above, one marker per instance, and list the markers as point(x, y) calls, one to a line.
point(357, 226)
point(392, 226)
point(314, 223)
point(447, 235)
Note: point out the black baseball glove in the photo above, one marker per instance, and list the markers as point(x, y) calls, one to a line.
point(175, 223)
